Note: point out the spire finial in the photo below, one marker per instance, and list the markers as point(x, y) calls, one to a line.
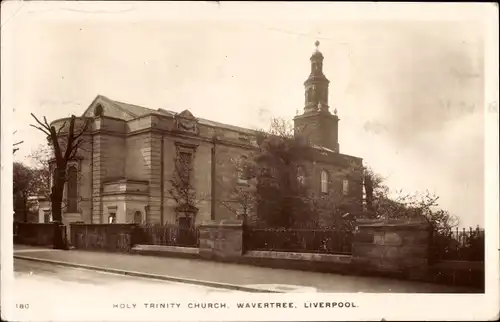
point(316, 43)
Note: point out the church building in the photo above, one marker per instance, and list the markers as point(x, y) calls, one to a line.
point(123, 171)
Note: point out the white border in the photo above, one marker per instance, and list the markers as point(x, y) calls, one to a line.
point(371, 306)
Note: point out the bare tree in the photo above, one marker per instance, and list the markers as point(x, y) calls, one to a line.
point(65, 147)
point(43, 157)
point(242, 194)
point(182, 189)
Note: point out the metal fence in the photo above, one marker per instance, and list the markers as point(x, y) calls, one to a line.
point(330, 241)
point(458, 245)
point(166, 235)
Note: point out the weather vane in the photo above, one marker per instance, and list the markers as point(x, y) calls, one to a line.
point(316, 44)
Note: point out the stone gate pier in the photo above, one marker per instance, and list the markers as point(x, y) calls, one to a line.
point(393, 246)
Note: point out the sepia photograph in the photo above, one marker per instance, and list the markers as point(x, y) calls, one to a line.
point(249, 161)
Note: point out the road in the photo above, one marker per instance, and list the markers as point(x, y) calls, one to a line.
point(280, 280)
point(31, 275)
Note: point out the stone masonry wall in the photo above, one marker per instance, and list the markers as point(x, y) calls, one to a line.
point(202, 180)
point(336, 175)
point(143, 163)
point(396, 246)
point(153, 162)
point(84, 180)
point(223, 240)
point(108, 163)
point(97, 178)
point(136, 167)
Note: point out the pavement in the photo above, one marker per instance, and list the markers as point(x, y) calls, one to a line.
point(32, 275)
point(205, 274)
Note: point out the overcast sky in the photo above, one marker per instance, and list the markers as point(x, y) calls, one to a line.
point(409, 93)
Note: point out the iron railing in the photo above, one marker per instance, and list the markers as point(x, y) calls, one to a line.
point(166, 235)
point(458, 245)
point(330, 241)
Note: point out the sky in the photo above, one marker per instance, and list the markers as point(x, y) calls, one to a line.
point(408, 82)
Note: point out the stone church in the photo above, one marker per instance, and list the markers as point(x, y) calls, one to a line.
point(122, 173)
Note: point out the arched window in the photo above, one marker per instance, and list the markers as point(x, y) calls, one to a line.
point(301, 176)
point(98, 110)
point(324, 181)
point(241, 169)
point(345, 187)
point(72, 189)
point(138, 217)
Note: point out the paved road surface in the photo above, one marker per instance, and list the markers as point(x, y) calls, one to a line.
point(30, 274)
point(243, 275)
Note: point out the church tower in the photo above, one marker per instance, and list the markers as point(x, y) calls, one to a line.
point(316, 123)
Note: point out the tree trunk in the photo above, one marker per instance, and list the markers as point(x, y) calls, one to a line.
point(56, 201)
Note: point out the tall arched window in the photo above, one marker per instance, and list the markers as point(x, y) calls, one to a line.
point(301, 176)
point(72, 189)
point(345, 187)
point(241, 169)
point(324, 181)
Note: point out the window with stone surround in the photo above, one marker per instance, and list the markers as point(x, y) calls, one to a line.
point(112, 214)
point(185, 163)
point(112, 218)
point(345, 187)
point(324, 181)
point(240, 169)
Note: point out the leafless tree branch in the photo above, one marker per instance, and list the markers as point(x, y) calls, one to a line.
point(85, 126)
point(45, 126)
point(60, 129)
point(41, 129)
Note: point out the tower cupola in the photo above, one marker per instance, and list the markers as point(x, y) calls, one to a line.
point(317, 125)
point(316, 85)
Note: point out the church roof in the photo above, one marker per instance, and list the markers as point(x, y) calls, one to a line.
point(136, 111)
point(225, 126)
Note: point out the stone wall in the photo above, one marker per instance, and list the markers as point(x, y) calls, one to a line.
point(153, 160)
point(102, 237)
point(136, 167)
point(393, 246)
point(35, 234)
point(223, 240)
point(321, 129)
point(85, 180)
